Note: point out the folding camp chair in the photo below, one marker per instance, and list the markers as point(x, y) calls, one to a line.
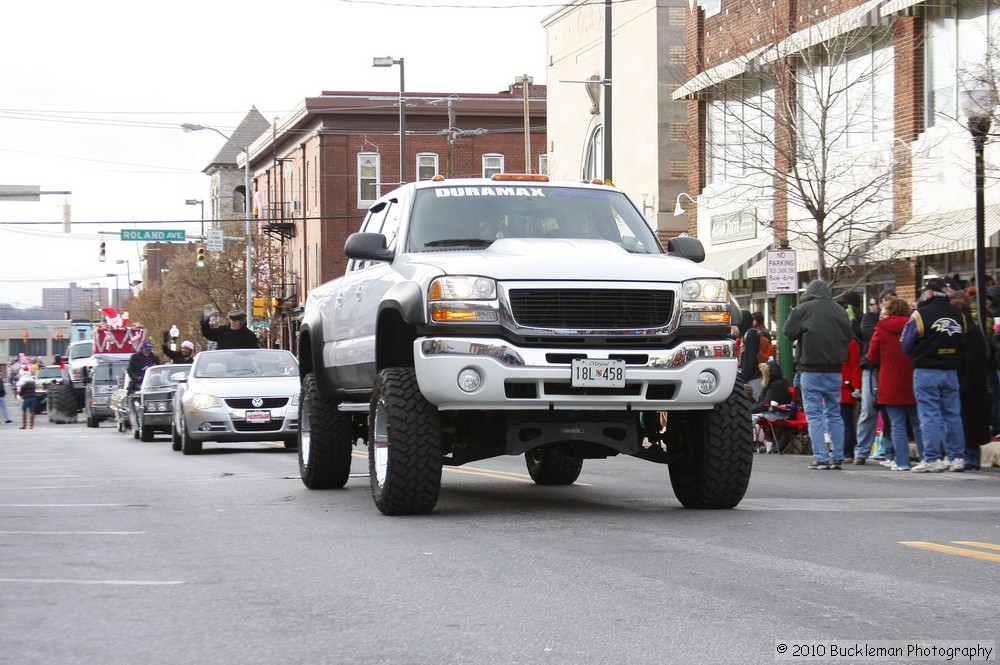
point(787, 426)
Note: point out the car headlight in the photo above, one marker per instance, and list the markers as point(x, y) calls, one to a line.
point(705, 300)
point(464, 299)
point(156, 407)
point(103, 390)
point(204, 401)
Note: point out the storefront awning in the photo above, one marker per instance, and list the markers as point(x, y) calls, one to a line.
point(940, 233)
point(716, 75)
point(864, 15)
point(894, 6)
point(733, 263)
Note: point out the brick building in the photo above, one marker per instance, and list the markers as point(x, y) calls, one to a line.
point(897, 133)
point(317, 170)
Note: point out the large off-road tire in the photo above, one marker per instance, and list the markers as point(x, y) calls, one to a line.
point(325, 440)
point(62, 404)
point(549, 466)
point(404, 445)
point(188, 445)
point(711, 453)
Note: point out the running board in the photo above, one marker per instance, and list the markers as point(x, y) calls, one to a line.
point(355, 407)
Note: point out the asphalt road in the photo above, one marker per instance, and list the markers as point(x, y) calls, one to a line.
point(115, 551)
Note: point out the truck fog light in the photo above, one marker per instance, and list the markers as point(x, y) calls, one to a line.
point(707, 383)
point(469, 380)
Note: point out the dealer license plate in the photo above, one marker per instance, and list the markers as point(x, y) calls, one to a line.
point(599, 372)
point(258, 416)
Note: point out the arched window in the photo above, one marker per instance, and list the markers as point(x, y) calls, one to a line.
point(240, 199)
point(593, 160)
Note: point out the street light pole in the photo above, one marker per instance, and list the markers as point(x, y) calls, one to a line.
point(389, 62)
point(978, 100)
point(201, 202)
point(247, 205)
point(526, 82)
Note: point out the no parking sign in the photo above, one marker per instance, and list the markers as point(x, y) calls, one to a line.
point(782, 275)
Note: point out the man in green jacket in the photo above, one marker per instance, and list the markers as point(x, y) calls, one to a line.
point(822, 330)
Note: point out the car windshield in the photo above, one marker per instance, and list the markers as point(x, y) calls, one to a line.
point(109, 372)
point(245, 363)
point(48, 373)
point(447, 218)
point(164, 377)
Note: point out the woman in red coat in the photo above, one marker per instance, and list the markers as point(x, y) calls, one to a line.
point(850, 390)
point(895, 380)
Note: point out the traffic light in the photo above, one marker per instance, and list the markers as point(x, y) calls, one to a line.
point(24, 337)
point(274, 304)
point(259, 306)
point(103, 255)
point(201, 256)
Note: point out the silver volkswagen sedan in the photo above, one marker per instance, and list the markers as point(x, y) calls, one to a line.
point(237, 395)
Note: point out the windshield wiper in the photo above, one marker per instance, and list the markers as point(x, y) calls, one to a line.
point(459, 242)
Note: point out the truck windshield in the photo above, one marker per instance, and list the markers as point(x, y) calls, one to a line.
point(475, 217)
point(109, 372)
point(81, 351)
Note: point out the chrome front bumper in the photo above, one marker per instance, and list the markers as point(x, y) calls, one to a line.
point(540, 378)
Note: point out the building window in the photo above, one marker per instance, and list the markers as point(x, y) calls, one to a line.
point(492, 164)
point(959, 36)
point(239, 200)
point(849, 103)
point(307, 185)
point(369, 177)
point(739, 131)
point(427, 165)
point(593, 161)
point(543, 164)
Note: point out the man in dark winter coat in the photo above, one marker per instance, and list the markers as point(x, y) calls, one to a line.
point(234, 336)
point(933, 338)
point(138, 362)
point(821, 328)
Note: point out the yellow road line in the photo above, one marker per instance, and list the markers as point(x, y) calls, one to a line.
point(948, 549)
point(479, 471)
point(972, 543)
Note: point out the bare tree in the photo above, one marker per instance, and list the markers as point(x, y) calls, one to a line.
point(187, 289)
point(808, 134)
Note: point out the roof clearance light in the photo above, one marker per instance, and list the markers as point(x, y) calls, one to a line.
point(523, 177)
point(437, 178)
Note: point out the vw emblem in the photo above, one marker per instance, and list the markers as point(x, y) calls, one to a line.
point(257, 402)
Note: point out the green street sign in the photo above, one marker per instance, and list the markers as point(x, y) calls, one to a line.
point(153, 235)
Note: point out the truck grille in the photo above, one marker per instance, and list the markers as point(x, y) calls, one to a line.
point(591, 309)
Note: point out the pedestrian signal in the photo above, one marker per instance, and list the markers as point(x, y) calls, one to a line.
point(201, 256)
point(103, 254)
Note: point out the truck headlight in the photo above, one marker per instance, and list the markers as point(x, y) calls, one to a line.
point(463, 298)
point(705, 300)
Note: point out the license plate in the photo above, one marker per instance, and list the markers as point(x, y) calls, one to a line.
point(599, 372)
point(258, 416)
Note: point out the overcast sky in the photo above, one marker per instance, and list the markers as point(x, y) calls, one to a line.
point(91, 96)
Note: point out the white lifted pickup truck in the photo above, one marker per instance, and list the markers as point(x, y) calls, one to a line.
point(519, 316)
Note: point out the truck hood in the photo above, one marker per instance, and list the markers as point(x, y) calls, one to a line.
point(561, 259)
